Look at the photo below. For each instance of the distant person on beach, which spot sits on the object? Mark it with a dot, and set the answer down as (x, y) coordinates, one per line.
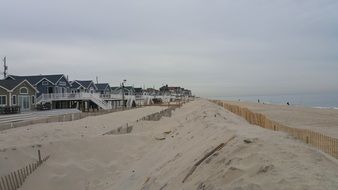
(258, 101)
(288, 103)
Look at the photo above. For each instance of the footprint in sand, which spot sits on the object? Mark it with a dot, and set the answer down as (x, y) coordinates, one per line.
(250, 186)
(232, 174)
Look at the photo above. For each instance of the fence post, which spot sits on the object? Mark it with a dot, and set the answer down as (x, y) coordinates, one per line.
(9, 183)
(13, 181)
(27, 171)
(39, 155)
(19, 177)
(16, 180)
(3, 183)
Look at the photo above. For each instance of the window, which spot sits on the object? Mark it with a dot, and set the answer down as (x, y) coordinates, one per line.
(14, 100)
(3, 100)
(33, 99)
(61, 83)
(45, 83)
(23, 90)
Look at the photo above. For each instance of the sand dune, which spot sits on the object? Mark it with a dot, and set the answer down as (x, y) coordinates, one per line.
(161, 154)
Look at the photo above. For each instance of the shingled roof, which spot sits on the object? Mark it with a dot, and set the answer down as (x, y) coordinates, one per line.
(10, 84)
(34, 79)
(83, 83)
(102, 86)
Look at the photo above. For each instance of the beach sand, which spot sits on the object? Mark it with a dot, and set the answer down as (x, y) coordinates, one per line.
(161, 154)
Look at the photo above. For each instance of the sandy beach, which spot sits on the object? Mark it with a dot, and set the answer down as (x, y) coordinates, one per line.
(323, 120)
(202, 146)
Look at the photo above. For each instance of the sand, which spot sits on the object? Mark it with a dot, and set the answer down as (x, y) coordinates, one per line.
(160, 154)
(322, 120)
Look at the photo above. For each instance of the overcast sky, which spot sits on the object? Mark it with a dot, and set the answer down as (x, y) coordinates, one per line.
(213, 47)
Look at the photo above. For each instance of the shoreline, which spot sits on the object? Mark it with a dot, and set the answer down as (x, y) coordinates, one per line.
(327, 100)
(278, 104)
(319, 120)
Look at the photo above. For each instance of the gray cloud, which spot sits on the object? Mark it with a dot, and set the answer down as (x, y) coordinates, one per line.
(216, 48)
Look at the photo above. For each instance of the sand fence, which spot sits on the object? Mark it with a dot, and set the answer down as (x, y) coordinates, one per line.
(322, 142)
(158, 115)
(15, 180)
(58, 118)
(127, 128)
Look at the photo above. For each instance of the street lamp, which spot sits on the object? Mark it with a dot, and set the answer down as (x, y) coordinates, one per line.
(123, 103)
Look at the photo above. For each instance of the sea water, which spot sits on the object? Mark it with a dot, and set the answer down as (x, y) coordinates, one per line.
(318, 100)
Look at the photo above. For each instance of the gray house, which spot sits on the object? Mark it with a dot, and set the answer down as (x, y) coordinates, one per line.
(46, 84)
(19, 92)
(83, 86)
(103, 88)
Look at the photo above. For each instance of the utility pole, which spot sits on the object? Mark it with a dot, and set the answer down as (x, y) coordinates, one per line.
(5, 67)
(123, 103)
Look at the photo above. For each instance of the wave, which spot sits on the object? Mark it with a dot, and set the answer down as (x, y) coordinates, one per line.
(320, 107)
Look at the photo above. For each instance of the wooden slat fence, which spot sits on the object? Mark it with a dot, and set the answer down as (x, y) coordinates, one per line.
(15, 180)
(322, 142)
(58, 118)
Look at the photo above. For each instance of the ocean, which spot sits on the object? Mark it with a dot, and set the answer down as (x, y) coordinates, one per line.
(319, 100)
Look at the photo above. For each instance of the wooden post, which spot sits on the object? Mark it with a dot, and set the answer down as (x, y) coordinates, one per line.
(19, 177)
(39, 155)
(2, 185)
(16, 180)
(27, 171)
(24, 174)
(13, 180)
(7, 183)
(335, 148)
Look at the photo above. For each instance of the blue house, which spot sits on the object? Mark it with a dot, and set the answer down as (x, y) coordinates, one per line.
(46, 84)
(103, 88)
(83, 86)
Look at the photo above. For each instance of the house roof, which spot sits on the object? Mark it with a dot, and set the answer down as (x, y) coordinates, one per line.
(34, 79)
(118, 87)
(102, 86)
(83, 83)
(10, 84)
(74, 84)
(129, 87)
(138, 89)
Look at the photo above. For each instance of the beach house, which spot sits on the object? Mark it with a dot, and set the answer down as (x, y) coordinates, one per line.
(18, 93)
(46, 84)
(83, 86)
(103, 88)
